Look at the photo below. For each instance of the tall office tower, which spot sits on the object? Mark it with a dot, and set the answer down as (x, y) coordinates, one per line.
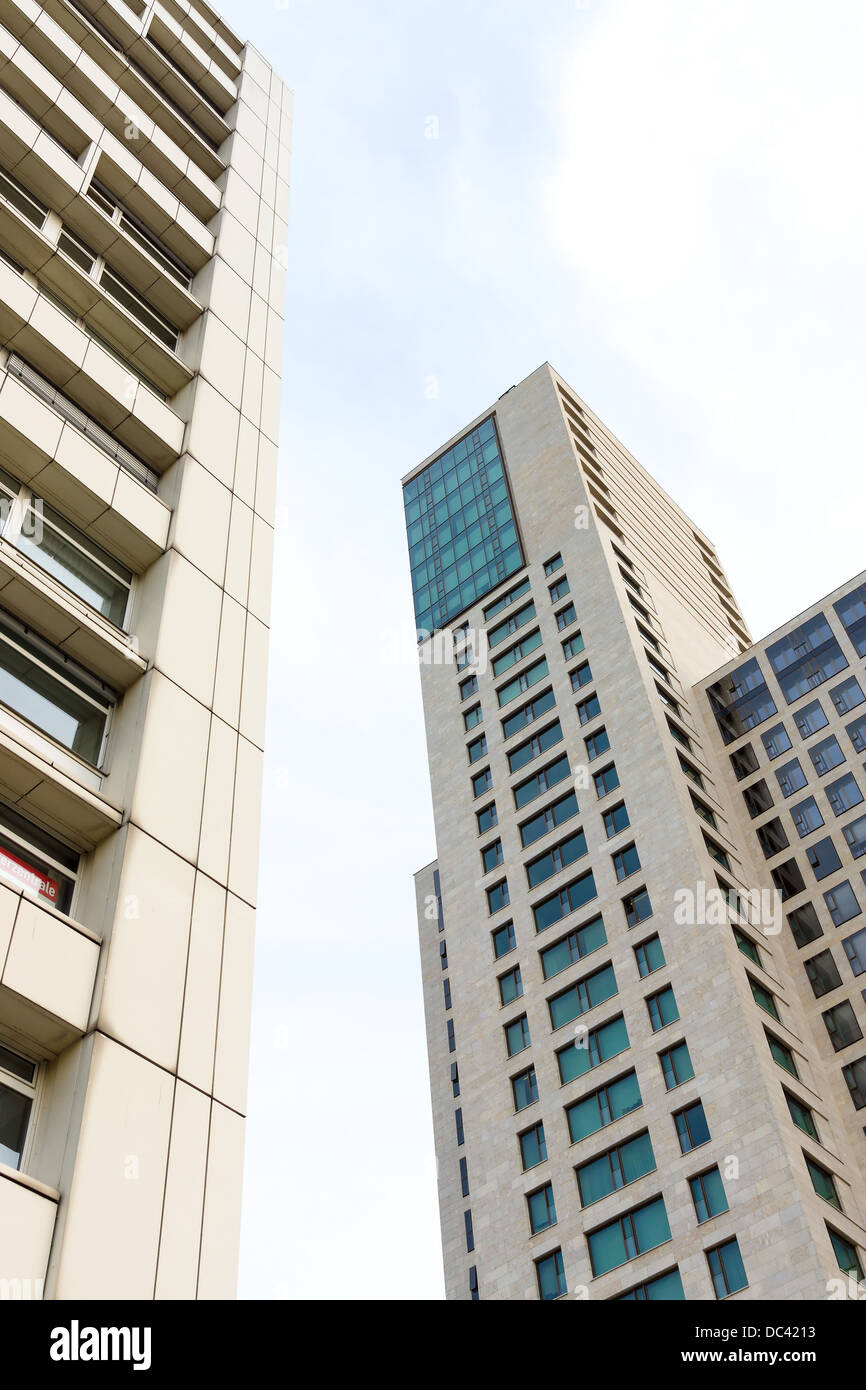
(635, 1094)
(143, 198)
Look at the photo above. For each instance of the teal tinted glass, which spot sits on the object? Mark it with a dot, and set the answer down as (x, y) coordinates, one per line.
(460, 527)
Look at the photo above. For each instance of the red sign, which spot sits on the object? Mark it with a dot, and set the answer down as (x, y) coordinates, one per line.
(20, 872)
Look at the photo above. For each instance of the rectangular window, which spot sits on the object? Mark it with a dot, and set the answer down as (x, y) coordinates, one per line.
(806, 817)
(782, 1055)
(804, 924)
(602, 1107)
(565, 617)
(559, 589)
(726, 1268)
(846, 1255)
(639, 1230)
(472, 717)
(791, 777)
(524, 1088)
(772, 837)
(806, 657)
(824, 858)
(841, 903)
(533, 1147)
(517, 1037)
(497, 896)
(535, 746)
(662, 1008)
(597, 743)
(582, 996)
(855, 950)
(764, 999)
(664, 1287)
(573, 947)
(506, 600)
(528, 713)
(708, 1194)
(470, 1238)
(35, 861)
(548, 777)
(842, 1026)
(573, 645)
(559, 857)
(847, 696)
(464, 1178)
(18, 1077)
(458, 1125)
(776, 741)
(649, 956)
(676, 1065)
(625, 862)
(801, 1115)
(788, 879)
(843, 794)
(523, 682)
(551, 565)
(580, 676)
(510, 986)
(591, 1049)
(542, 1210)
(855, 1079)
(757, 798)
(692, 1128)
(552, 816)
(503, 940)
(510, 625)
(487, 818)
(492, 856)
(826, 755)
(747, 946)
(637, 907)
(823, 1182)
(606, 781)
(46, 689)
(615, 819)
(616, 1168)
(451, 1041)
(568, 899)
(588, 709)
(477, 748)
(482, 782)
(822, 973)
(810, 719)
(741, 700)
(551, 1276)
(468, 687)
(512, 655)
(857, 733)
(851, 611)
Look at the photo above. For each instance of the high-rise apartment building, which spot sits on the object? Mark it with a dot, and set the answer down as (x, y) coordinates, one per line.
(143, 202)
(642, 965)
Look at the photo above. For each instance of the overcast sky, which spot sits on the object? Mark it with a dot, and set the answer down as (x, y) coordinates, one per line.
(665, 201)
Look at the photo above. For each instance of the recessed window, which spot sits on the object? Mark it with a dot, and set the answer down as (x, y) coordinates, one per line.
(551, 1276)
(847, 696)
(806, 657)
(625, 862)
(568, 899)
(18, 1076)
(637, 907)
(512, 655)
(482, 782)
(517, 1037)
(581, 675)
(552, 565)
(649, 956)
(782, 1055)
(708, 1194)
(487, 818)
(855, 1079)
(585, 994)
(533, 1147)
(512, 624)
(857, 733)
(455, 1078)
(443, 954)
(506, 599)
(628, 1236)
(464, 1178)
(772, 837)
(801, 1115)
(468, 687)
(497, 896)
(559, 589)
(552, 816)
(573, 645)
(747, 946)
(597, 743)
(527, 713)
(606, 781)
(776, 741)
(446, 991)
(804, 924)
(846, 1254)
(477, 748)
(692, 1128)
(591, 1049)
(841, 903)
(36, 862)
(716, 852)
(855, 950)
(764, 999)
(788, 879)
(503, 940)
(565, 617)
(806, 817)
(558, 857)
(542, 1210)
(548, 777)
(662, 1008)
(810, 719)
(843, 794)
(726, 1268)
(602, 1107)
(855, 836)
(744, 762)
(823, 1182)
(588, 709)
(741, 700)
(510, 986)
(458, 1125)
(524, 1087)
(667, 1287)
(535, 746)
(472, 717)
(826, 755)
(616, 1168)
(43, 687)
(842, 1026)
(451, 1040)
(822, 972)
(492, 856)
(791, 777)
(470, 1237)
(519, 684)
(615, 819)
(573, 947)
(676, 1065)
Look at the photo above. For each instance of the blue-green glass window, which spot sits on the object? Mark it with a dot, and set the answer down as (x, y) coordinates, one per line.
(615, 819)
(618, 1167)
(565, 617)
(510, 986)
(662, 1008)
(649, 956)
(523, 682)
(591, 1049)
(727, 1269)
(573, 947)
(637, 907)
(535, 746)
(487, 818)
(492, 856)
(14, 1118)
(567, 900)
(472, 717)
(533, 1147)
(692, 1127)
(477, 748)
(551, 1276)
(747, 946)
(503, 940)
(558, 857)
(468, 687)
(676, 1065)
(533, 709)
(801, 1115)
(548, 777)
(603, 1106)
(460, 527)
(823, 1183)
(596, 744)
(506, 599)
(668, 1286)
(572, 645)
(497, 896)
(782, 1055)
(559, 589)
(806, 657)
(552, 565)
(458, 1125)
(482, 782)
(581, 675)
(464, 1177)
(621, 1240)
(517, 1037)
(513, 623)
(549, 819)
(512, 655)
(542, 1210)
(763, 998)
(524, 1088)
(708, 1194)
(846, 1255)
(626, 861)
(588, 709)
(581, 996)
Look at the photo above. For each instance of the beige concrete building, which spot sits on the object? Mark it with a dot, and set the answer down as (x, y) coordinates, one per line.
(143, 200)
(638, 1091)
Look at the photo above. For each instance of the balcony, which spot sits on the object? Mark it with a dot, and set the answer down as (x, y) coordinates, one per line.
(27, 1213)
(46, 985)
